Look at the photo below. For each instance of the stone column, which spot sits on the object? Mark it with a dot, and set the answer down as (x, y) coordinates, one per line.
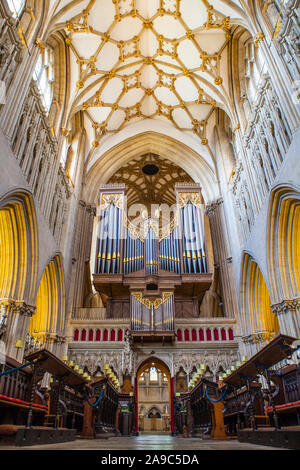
(288, 314)
(222, 256)
(81, 253)
(18, 315)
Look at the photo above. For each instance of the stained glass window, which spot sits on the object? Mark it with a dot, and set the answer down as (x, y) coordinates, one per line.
(153, 374)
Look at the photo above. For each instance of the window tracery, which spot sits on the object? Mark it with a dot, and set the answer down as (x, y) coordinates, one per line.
(44, 76)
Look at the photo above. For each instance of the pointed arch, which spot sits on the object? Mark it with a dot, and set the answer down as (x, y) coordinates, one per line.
(284, 242)
(18, 247)
(257, 317)
(50, 302)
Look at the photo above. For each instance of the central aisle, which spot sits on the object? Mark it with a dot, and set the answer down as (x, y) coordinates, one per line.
(148, 442)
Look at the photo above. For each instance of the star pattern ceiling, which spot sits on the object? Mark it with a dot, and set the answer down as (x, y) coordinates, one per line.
(154, 188)
(139, 59)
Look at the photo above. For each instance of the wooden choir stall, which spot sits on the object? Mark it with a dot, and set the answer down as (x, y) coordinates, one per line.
(262, 397)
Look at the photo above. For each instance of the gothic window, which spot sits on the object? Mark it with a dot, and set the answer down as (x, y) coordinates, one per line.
(16, 7)
(44, 77)
(153, 374)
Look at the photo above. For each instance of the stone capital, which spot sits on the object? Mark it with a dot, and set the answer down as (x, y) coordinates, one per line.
(286, 305)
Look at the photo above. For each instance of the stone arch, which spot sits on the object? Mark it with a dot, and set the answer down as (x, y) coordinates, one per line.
(48, 322)
(151, 142)
(257, 318)
(18, 247)
(283, 242)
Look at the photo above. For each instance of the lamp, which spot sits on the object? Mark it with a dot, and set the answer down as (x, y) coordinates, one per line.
(106, 366)
(244, 358)
(76, 367)
(65, 358)
(71, 363)
(80, 371)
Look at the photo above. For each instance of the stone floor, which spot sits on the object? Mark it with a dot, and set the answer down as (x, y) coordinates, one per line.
(147, 442)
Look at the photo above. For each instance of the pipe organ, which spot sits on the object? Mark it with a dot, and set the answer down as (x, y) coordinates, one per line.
(110, 233)
(152, 266)
(177, 247)
(152, 313)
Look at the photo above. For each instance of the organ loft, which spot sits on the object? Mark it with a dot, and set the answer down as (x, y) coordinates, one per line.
(156, 268)
(149, 223)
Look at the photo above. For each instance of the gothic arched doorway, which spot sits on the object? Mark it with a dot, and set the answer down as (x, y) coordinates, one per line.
(153, 397)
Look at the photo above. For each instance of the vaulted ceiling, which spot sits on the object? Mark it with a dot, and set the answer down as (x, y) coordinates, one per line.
(133, 60)
(150, 179)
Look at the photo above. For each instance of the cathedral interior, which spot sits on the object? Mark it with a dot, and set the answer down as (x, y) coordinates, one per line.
(149, 220)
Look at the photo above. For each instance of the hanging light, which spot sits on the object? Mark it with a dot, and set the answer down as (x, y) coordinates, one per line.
(106, 366)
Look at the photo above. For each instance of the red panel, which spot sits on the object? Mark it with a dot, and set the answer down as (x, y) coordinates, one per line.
(201, 335)
(194, 335)
(208, 335)
(186, 335)
(113, 335)
(230, 334)
(223, 334)
(98, 335)
(120, 335)
(83, 335)
(179, 335)
(91, 335)
(105, 335)
(216, 335)
(76, 335)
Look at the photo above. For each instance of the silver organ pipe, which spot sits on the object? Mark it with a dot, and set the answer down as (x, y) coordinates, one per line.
(151, 252)
(192, 240)
(133, 254)
(109, 240)
(148, 251)
(169, 252)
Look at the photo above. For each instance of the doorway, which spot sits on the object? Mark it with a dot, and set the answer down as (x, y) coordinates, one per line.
(153, 396)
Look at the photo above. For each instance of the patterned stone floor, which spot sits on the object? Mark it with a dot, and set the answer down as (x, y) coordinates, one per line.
(147, 442)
